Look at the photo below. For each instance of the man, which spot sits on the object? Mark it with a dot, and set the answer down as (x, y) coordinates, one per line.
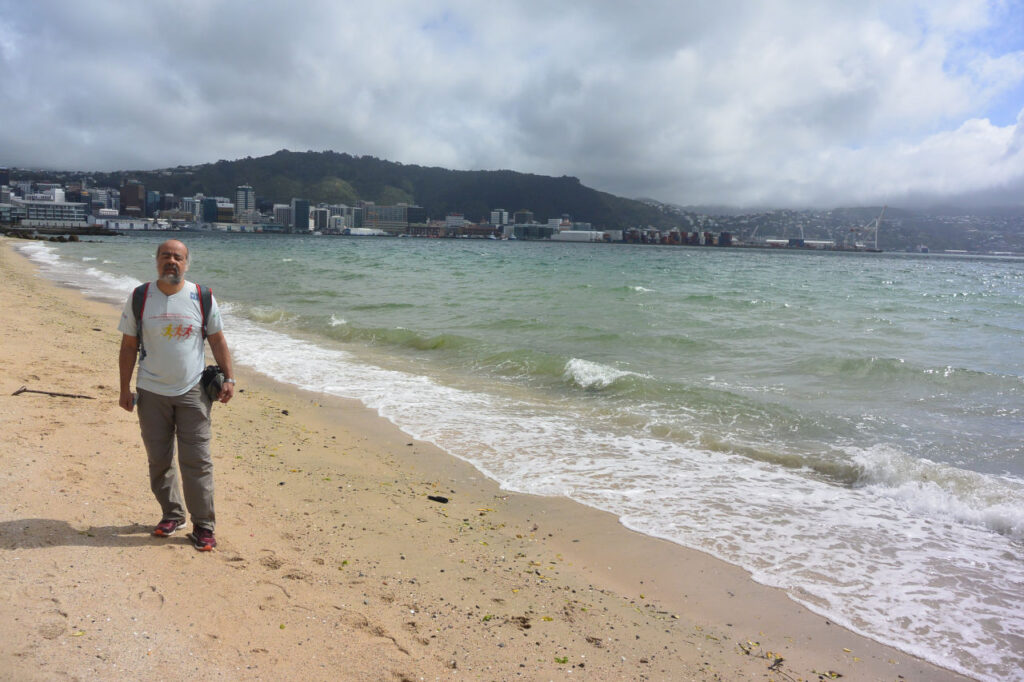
(171, 400)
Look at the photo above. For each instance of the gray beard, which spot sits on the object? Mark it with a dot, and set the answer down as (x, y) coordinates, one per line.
(170, 278)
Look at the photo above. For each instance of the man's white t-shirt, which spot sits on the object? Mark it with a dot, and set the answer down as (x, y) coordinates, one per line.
(172, 334)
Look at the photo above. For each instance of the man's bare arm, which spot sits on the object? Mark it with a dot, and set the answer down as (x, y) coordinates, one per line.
(126, 365)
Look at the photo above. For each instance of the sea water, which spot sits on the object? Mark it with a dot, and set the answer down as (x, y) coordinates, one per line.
(847, 427)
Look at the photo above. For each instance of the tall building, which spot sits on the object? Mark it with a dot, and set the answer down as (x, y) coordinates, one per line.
(300, 215)
(5, 177)
(523, 217)
(318, 218)
(79, 196)
(245, 198)
(99, 198)
(191, 205)
(133, 199)
(152, 203)
(208, 210)
(225, 211)
(245, 203)
(499, 216)
(283, 214)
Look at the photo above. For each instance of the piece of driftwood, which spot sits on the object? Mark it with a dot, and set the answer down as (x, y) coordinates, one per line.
(26, 389)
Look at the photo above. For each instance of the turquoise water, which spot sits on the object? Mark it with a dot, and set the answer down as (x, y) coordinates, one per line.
(845, 426)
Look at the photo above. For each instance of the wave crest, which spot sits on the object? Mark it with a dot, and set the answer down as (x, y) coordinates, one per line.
(931, 489)
(592, 375)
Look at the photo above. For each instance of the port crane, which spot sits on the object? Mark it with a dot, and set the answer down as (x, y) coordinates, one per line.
(870, 228)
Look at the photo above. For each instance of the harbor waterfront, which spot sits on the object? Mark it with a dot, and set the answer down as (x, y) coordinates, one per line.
(845, 427)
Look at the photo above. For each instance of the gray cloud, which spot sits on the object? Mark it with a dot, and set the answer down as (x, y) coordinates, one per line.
(774, 103)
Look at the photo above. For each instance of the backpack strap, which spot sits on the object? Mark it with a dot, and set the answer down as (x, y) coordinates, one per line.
(139, 296)
(205, 302)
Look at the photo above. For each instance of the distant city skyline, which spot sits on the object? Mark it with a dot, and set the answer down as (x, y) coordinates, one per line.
(56, 206)
(778, 104)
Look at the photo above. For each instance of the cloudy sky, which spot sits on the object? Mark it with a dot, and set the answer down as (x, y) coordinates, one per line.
(755, 103)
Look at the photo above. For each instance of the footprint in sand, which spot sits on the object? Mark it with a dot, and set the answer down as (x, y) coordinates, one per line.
(151, 598)
(235, 560)
(272, 562)
(51, 629)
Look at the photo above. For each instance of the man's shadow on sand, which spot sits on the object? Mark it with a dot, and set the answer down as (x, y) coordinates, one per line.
(40, 533)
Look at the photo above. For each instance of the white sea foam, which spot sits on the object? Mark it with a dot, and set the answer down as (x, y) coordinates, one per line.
(940, 491)
(115, 285)
(587, 374)
(92, 281)
(40, 252)
(337, 321)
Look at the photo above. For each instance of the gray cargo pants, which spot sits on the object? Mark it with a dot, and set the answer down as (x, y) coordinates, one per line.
(186, 416)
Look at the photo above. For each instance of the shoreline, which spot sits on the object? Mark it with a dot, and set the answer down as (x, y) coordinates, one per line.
(12, 233)
(333, 562)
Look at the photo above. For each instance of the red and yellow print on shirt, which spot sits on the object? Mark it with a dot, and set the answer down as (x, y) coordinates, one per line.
(177, 332)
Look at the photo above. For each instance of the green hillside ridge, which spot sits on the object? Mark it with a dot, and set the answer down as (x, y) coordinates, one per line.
(332, 177)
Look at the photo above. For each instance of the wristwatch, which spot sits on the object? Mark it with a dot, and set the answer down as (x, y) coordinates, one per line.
(229, 381)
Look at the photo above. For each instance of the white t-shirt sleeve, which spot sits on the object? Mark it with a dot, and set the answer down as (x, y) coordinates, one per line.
(127, 324)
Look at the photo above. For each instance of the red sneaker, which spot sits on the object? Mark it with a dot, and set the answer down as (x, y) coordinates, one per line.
(166, 528)
(202, 538)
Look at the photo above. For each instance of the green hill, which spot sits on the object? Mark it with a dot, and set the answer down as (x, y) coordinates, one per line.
(331, 177)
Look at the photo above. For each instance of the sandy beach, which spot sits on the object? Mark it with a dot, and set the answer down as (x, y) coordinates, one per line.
(347, 551)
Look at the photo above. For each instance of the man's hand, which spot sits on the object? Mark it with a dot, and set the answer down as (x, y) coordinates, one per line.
(219, 346)
(126, 401)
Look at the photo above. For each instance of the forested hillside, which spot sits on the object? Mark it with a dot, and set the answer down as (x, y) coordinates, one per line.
(331, 177)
